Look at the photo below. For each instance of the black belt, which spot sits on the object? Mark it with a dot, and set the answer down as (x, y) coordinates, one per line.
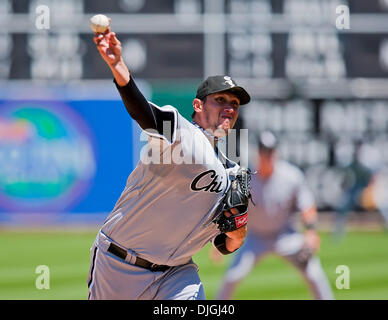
(140, 262)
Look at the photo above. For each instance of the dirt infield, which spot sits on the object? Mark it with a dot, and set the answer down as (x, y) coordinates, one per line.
(357, 220)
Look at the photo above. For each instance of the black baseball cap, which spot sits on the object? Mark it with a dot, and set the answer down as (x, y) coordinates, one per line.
(221, 83)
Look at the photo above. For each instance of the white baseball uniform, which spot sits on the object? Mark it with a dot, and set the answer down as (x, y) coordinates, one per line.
(163, 216)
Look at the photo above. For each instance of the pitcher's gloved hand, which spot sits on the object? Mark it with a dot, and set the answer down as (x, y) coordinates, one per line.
(237, 198)
(229, 242)
(229, 222)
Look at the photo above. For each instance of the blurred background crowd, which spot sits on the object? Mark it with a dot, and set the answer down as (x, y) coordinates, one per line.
(317, 76)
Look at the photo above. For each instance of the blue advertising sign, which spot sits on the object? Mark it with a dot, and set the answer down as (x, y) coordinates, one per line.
(64, 156)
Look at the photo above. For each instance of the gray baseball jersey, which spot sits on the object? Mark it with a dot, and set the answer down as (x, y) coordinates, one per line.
(278, 199)
(164, 213)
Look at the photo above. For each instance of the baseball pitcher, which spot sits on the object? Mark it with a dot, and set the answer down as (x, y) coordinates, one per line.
(182, 194)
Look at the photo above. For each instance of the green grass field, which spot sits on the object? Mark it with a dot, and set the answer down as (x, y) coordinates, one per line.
(67, 256)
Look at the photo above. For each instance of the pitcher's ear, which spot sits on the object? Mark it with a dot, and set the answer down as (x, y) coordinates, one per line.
(197, 105)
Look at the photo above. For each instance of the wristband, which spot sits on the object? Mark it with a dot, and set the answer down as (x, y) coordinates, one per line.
(220, 244)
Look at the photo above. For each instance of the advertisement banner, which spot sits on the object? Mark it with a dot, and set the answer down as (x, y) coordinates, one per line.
(64, 156)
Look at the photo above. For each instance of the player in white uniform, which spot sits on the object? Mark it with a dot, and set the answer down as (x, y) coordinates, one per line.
(279, 191)
(164, 215)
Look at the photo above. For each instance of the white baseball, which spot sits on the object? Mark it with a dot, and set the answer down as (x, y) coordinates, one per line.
(99, 23)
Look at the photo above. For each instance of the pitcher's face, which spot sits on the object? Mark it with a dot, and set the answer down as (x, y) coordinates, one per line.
(219, 113)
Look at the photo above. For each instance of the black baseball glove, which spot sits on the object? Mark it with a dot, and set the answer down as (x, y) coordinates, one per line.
(237, 197)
